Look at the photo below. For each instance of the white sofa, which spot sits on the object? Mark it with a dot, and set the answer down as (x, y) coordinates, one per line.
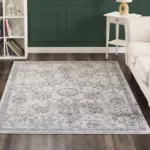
(138, 52)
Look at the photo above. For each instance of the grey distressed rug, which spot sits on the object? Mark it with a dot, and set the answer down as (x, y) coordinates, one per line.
(69, 98)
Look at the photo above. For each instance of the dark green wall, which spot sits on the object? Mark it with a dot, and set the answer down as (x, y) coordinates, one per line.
(74, 22)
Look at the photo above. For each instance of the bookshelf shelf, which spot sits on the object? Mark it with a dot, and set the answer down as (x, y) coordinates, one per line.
(12, 57)
(13, 43)
(14, 17)
(15, 37)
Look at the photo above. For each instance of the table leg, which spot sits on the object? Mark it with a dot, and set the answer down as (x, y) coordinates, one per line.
(117, 36)
(107, 36)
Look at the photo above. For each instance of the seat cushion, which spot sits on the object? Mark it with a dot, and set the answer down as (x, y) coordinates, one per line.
(142, 66)
(136, 49)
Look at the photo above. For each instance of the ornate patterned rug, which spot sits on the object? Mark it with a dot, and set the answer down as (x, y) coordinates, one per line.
(69, 98)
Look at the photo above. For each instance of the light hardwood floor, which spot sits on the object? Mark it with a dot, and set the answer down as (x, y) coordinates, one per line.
(77, 142)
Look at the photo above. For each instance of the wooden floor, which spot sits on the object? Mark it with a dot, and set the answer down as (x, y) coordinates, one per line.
(77, 142)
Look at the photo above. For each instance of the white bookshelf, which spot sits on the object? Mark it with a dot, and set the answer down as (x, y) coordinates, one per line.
(19, 20)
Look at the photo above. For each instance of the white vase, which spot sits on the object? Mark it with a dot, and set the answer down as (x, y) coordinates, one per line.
(11, 9)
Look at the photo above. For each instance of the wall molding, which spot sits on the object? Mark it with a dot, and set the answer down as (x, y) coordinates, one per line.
(74, 50)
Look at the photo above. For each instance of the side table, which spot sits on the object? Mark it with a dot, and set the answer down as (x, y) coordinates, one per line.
(117, 19)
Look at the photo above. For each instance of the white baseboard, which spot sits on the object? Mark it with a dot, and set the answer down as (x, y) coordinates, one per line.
(74, 50)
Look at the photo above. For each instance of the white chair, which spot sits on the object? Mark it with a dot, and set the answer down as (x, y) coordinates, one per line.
(138, 51)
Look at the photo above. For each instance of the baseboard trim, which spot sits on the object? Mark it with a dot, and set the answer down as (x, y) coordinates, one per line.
(74, 50)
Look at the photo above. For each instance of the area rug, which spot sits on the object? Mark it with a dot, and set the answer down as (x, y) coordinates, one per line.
(69, 98)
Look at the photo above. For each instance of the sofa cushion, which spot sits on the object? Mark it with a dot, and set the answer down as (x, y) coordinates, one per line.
(136, 49)
(142, 66)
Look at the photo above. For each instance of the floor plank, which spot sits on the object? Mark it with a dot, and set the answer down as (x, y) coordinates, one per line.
(5, 141)
(78, 142)
(109, 142)
(68, 141)
(142, 142)
(59, 142)
(20, 142)
(123, 142)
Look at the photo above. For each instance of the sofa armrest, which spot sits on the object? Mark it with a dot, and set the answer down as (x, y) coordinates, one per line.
(138, 29)
(137, 49)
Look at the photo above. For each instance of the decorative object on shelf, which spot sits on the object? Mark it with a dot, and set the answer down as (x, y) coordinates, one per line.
(124, 8)
(19, 11)
(11, 9)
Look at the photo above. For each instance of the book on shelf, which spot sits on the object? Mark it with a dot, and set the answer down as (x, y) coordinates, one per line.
(1, 8)
(7, 51)
(10, 52)
(1, 28)
(7, 28)
(14, 48)
(1, 44)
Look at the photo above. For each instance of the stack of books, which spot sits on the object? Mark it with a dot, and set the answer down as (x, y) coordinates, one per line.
(13, 48)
